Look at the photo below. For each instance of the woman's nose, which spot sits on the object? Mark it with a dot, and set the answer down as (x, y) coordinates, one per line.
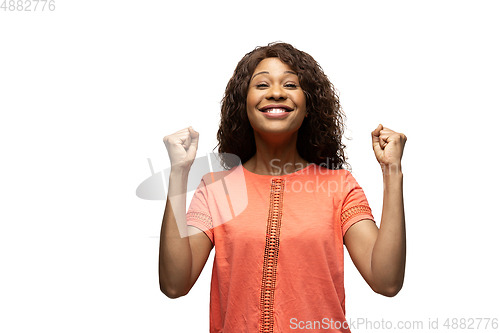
(277, 92)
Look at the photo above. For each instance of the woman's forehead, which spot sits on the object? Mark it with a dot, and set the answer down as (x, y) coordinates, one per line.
(273, 66)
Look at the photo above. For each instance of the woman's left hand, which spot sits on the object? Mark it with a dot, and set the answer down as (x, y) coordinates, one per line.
(388, 147)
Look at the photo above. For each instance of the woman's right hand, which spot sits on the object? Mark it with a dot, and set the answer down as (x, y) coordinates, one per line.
(181, 147)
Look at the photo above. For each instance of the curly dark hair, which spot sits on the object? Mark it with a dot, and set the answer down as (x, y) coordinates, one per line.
(320, 136)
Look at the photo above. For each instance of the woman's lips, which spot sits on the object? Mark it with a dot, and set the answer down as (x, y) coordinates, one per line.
(276, 113)
(276, 106)
(275, 110)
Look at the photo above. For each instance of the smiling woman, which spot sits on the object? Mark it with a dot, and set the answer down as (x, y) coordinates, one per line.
(276, 105)
(279, 261)
(257, 75)
(275, 83)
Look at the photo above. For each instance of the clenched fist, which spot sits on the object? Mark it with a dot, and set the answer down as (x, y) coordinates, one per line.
(388, 147)
(181, 147)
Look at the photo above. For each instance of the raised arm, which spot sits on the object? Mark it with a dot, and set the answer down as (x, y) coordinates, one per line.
(181, 259)
(380, 255)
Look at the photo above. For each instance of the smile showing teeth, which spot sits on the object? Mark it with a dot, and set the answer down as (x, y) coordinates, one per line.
(275, 111)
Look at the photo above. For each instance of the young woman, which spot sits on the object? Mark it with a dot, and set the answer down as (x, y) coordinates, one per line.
(279, 261)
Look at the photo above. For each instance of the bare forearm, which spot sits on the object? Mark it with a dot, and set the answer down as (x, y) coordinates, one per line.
(175, 259)
(389, 251)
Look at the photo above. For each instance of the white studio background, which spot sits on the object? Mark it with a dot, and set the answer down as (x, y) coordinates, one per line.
(88, 91)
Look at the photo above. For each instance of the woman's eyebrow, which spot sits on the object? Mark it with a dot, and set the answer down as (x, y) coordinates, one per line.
(265, 72)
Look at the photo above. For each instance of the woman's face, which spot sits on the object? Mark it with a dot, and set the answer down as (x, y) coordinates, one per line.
(275, 101)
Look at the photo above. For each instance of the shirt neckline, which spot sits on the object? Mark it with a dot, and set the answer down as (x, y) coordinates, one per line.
(257, 176)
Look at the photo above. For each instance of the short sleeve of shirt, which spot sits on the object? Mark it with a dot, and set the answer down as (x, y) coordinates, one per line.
(198, 214)
(355, 205)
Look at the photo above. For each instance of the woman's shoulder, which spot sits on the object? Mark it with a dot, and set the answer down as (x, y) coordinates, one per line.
(225, 179)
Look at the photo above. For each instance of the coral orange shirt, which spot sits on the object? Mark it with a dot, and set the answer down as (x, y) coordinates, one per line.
(279, 257)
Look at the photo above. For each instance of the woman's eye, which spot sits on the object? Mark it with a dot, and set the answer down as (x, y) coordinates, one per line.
(291, 85)
(261, 85)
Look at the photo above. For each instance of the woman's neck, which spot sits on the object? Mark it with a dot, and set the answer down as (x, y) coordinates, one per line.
(276, 155)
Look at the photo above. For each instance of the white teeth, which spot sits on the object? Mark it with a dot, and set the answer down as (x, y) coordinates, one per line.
(276, 110)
